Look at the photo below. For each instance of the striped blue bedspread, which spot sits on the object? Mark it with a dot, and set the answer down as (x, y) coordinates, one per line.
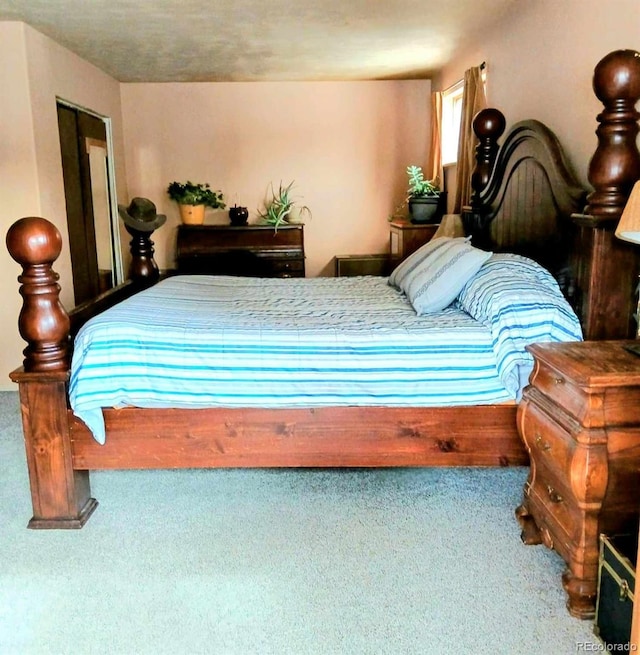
(202, 341)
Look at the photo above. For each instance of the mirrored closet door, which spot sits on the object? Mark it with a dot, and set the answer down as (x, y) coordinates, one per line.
(92, 217)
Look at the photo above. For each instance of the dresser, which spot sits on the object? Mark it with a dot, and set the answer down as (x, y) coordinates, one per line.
(405, 238)
(580, 421)
(248, 250)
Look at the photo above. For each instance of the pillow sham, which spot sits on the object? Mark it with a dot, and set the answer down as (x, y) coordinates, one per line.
(435, 281)
(406, 266)
(521, 303)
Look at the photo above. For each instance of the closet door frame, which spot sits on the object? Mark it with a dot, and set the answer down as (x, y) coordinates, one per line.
(88, 135)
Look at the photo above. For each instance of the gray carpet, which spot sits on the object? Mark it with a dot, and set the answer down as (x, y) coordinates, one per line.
(280, 562)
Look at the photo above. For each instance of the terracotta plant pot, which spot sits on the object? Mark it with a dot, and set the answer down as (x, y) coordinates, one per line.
(192, 214)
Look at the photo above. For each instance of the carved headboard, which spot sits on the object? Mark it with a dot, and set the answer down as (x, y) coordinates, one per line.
(526, 199)
(524, 194)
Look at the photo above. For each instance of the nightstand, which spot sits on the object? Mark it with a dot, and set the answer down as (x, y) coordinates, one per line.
(580, 421)
(405, 238)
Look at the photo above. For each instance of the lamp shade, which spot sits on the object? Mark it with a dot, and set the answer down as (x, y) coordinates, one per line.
(629, 226)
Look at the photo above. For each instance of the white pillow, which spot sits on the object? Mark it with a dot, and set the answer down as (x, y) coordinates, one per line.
(435, 282)
(406, 266)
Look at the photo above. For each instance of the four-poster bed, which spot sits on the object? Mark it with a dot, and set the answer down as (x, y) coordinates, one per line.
(62, 451)
(525, 200)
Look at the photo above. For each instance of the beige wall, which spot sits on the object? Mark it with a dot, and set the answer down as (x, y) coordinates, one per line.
(54, 72)
(18, 182)
(540, 60)
(36, 70)
(346, 145)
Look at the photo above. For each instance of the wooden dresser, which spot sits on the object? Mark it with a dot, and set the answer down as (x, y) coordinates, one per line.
(580, 421)
(248, 250)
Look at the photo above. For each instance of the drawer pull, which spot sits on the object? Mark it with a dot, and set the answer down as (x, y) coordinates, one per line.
(554, 496)
(558, 380)
(545, 446)
(547, 539)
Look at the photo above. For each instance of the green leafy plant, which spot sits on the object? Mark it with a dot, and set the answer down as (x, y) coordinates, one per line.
(280, 204)
(188, 193)
(418, 186)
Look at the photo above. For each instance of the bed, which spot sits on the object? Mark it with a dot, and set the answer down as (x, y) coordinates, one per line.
(197, 341)
(524, 197)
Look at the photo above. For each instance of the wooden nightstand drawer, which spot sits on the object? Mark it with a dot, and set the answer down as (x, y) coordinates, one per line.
(561, 391)
(547, 441)
(581, 376)
(555, 513)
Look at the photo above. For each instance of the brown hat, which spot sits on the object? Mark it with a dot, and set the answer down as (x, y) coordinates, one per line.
(141, 215)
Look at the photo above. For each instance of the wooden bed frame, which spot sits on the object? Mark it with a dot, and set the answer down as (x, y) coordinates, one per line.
(523, 200)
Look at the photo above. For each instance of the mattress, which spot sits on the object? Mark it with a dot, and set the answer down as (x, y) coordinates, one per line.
(205, 341)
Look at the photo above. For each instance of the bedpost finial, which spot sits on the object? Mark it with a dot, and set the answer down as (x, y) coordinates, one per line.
(489, 123)
(35, 244)
(615, 165)
(617, 77)
(33, 240)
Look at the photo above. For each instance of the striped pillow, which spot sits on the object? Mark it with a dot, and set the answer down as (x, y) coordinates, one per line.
(435, 282)
(521, 303)
(414, 259)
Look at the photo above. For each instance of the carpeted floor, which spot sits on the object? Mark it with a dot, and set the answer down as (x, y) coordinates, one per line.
(280, 562)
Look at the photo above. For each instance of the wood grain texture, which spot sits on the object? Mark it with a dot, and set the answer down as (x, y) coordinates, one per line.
(405, 238)
(321, 437)
(35, 244)
(526, 204)
(580, 422)
(253, 250)
(60, 494)
(609, 268)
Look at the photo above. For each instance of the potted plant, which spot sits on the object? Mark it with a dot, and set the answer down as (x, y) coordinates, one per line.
(193, 198)
(425, 197)
(281, 208)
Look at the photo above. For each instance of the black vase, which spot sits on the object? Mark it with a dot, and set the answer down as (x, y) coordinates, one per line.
(238, 215)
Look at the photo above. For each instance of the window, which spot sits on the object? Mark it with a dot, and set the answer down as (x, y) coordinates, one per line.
(451, 116)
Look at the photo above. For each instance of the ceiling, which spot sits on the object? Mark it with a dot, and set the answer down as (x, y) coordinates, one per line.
(256, 40)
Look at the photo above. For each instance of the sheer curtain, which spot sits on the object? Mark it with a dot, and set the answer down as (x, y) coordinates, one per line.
(435, 158)
(473, 100)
